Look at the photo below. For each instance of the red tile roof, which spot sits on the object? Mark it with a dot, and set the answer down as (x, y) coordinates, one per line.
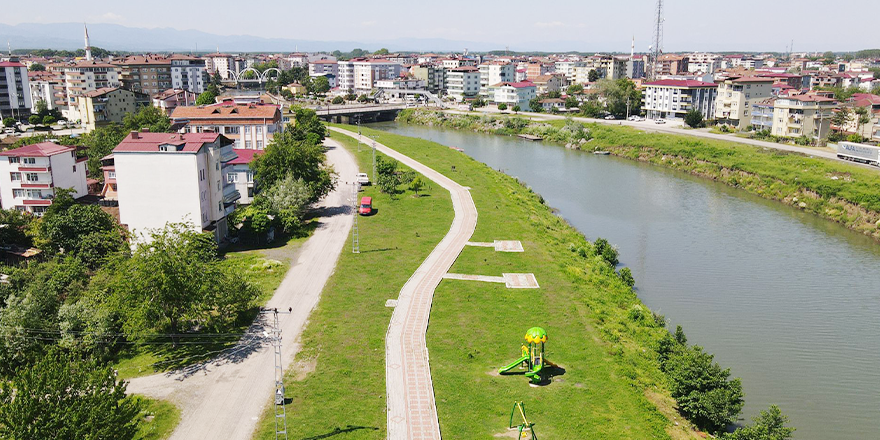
(245, 156)
(43, 149)
(227, 111)
(751, 79)
(140, 142)
(680, 83)
(10, 64)
(99, 92)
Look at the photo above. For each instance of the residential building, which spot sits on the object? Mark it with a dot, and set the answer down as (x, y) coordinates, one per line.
(85, 76)
(549, 83)
(106, 105)
(331, 80)
(512, 94)
(148, 74)
(736, 96)
(534, 70)
(189, 73)
(222, 64)
(345, 75)
(635, 66)
(321, 67)
(296, 88)
(433, 76)
(365, 73)
(610, 67)
(567, 68)
(170, 99)
(109, 192)
(552, 104)
(803, 115)
(462, 82)
(241, 175)
(47, 87)
(669, 64)
(401, 83)
(703, 63)
(30, 174)
(871, 104)
(673, 99)
(762, 114)
(166, 178)
(15, 91)
(249, 126)
(494, 72)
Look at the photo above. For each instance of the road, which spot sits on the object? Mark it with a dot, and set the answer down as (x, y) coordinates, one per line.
(224, 398)
(411, 411)
(651, 127)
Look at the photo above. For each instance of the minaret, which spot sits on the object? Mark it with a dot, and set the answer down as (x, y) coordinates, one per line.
(88, 46)
(632, 50)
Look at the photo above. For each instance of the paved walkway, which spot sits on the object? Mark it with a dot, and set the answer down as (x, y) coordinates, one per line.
(224, 398)
(412, 412)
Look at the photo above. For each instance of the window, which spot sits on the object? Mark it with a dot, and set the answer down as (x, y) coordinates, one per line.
(247, 145)
(232, 177)
(247, 129)
(35, 193)
(74, 168)
(217, 166)
(32, 177)
(259, 130)
(250, 176)
(218, 185)
(259, 145)
(14, 160)
(29, 160)
(17, 193)
(201, 175)
(15, 176)
(111, 174)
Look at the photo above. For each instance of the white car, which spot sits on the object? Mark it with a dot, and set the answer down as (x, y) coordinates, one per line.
(363, 179)
(660, 121)
(610, 118)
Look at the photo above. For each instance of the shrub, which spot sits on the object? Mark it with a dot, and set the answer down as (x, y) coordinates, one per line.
(627, 277)
(603, 249)
(338, 100)
(502, 106)
(705, 393)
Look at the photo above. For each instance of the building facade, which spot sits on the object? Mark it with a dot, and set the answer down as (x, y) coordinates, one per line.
(85, 76)
(433, 76)
(15, 91)
(736, 96)
(241, 175)
(148, 74)
(803, 115)
(494, 72)
(762, 114)
(104, 106)
(189, 73)
(164, 178)
(30, 174)
(513, 94)
(462, 82)
(248, 126)
(673, 99)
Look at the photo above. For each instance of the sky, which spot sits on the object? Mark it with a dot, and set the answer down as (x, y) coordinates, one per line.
(554, 25)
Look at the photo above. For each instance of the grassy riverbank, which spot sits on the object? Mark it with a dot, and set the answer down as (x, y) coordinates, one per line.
(337, 383)
(837, 191)
(599, 331)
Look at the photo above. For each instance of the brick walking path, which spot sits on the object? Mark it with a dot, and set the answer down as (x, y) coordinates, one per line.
(412, 412)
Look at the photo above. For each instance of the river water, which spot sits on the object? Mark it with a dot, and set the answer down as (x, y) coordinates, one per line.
(788, 301)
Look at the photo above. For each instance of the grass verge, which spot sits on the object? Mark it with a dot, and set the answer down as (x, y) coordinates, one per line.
(599, 331)
(157, 418)
(336, 385)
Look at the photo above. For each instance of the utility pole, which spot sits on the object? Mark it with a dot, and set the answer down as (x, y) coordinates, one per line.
(280, 410)
(355, 238)
(359, 135)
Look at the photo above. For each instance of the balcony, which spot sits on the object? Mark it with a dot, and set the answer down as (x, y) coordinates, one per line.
(230, 194)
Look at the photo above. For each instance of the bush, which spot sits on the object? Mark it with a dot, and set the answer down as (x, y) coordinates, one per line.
(338, 100)
(34, 119)
(48, 120)
(705, 393)
(627, 277)
(603, 249)
(8, 122)
(502, 106)
(694, 118)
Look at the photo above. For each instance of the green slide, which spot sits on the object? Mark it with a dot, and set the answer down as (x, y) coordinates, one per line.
(535, 374)
(513, 365)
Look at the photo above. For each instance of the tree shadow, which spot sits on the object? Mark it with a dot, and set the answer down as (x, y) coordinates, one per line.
(336, 431)
(328, 211)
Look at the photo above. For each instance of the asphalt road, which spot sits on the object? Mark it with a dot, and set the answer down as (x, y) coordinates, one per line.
(224, 398)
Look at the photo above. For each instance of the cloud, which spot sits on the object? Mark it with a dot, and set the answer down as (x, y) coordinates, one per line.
(369, 23)
(549, 24)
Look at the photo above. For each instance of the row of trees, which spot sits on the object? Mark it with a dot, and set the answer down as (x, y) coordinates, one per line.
(617, 97)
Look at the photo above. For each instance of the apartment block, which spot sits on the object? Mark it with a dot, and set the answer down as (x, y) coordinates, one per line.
(148, 74)
(30, 174)
(494, 72)
(221, 63)
(47, 87)
(462, 82)
(736, 96)
(241, 175)
(15, 90)
(512, 94)
(107, 105)
(321, 67)
(762, 114)
(673, 99)
(433, 76)
(85, 76)
(803, 115)
(189, 73)
(248, 126)
(170, 178)
(669, 64)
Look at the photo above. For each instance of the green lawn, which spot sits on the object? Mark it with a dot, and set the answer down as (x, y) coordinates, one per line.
(344, 342)
(478, 327)
(157, 419)
(265, 267)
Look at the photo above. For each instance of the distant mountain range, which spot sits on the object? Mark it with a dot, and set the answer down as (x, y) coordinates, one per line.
(69, 36)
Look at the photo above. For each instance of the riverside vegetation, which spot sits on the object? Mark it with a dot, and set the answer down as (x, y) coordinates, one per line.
(622, 366)
(837, 191)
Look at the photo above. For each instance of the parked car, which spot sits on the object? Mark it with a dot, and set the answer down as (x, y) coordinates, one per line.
(610, 118)
(363, 179)
(660, 121)
(366, 206)
(636, 118)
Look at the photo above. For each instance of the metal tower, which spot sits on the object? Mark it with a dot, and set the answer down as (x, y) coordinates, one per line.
(355, 236)
(657, 46)
(280, 410)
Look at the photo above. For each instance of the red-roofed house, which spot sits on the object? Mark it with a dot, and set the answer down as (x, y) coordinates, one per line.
(30, 174)
(174, 177)
(673, 98)
(803, 115)
(512, 94)
(250, 126)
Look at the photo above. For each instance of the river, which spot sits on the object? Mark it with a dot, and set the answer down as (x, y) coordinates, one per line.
(788, 301)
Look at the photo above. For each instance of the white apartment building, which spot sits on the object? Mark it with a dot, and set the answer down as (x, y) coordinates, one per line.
(512, 94)
(241, 175)
(701, 62)
(495, 72)
(321, 67)
(248, 126)
(15, 90)
(672, 98)
(86, 76)
(30, 174)
(221, 63)
(462, 82)
(171, 178)
(345, 75)
(367, 72)
(736, 95)
(47, 87)
(188, 73)
(567, 68)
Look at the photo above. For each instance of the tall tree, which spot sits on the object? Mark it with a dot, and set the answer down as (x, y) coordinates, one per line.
(65, 397)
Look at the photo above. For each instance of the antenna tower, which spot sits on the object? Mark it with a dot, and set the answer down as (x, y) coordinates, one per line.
(657, 48)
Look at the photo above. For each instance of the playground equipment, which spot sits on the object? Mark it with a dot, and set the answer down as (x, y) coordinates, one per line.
(525, 428)
(532, 357)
